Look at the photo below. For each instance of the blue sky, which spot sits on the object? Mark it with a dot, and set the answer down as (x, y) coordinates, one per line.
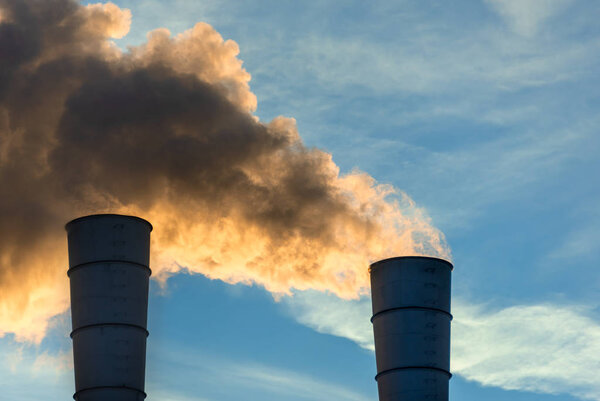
(486, 113)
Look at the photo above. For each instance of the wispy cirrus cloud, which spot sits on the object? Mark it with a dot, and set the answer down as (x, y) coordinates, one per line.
(173, 395)
(525, 17)
(288, 384)
(30, 373)
(224, 378)
(494, 63)
(542, 348)
(582, 241)
(217, 377)
(331, 315)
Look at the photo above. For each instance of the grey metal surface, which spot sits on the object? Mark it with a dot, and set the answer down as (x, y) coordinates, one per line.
(109, 274)
(411, 325)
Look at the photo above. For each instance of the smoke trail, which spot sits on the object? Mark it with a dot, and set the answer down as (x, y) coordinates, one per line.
(166, 131)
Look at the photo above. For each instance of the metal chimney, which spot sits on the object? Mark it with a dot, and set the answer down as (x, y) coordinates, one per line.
(109, 273)
(411, 324)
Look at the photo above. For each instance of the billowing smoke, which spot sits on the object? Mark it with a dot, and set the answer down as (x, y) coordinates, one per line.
(165, 131)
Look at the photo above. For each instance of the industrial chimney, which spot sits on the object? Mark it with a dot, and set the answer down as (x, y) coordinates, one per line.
(411, 324)
(109, 273)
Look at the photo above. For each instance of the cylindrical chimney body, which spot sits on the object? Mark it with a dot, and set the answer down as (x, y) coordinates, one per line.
(411, 324)
(109, 273)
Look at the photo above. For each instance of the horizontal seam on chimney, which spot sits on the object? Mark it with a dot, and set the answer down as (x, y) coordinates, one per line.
(89, 326)
(420, 308)
(136, 264)
(412, 367)
(108, 387)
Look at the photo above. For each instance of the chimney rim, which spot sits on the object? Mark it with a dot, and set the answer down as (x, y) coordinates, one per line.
(100, 215)
(375, 264)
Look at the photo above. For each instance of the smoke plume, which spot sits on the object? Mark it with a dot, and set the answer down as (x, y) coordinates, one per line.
(166, 131)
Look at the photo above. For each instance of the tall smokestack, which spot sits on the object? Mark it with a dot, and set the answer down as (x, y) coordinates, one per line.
(109, 273)
(411, 324)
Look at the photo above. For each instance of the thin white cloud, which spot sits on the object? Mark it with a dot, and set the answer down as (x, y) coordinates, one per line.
(288, 383)
(582, 241)
(241, 377)
(525, 17)
(57, 362)
(30, 374)
(540, 348)
(439, 62)
(53, 375)
(173, 395)
(328, 314)
(497, 169)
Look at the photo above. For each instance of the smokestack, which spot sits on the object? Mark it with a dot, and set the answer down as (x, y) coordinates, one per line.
(411, 324)
(108, 268)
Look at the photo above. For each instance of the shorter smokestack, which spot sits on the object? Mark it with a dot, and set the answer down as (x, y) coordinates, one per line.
(411, 324)
(109, 273)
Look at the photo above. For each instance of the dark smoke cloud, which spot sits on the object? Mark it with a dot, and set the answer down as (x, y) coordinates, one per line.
(165, 131)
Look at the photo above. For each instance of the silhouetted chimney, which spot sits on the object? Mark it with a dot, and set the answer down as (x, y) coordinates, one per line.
(109, 273)
(411, 324)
